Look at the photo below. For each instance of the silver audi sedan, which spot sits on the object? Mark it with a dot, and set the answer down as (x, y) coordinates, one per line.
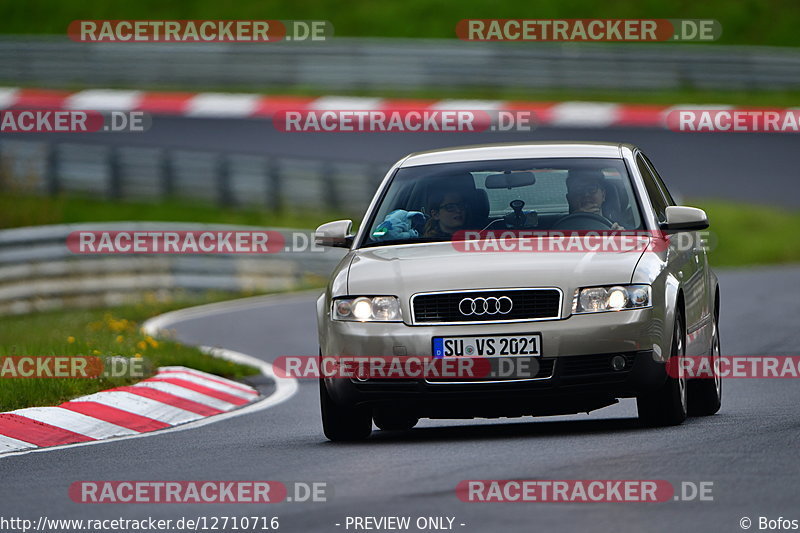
(564, 271)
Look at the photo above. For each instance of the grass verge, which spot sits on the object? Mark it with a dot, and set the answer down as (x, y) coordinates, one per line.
(750, 99)
(21, 209)
(760, 23)
(742, 234)
(101, 333)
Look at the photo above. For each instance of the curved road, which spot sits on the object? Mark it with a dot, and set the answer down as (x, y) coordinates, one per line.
(748, 450)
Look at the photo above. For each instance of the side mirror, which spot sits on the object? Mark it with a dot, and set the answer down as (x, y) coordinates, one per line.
(683, 218)
(336, 234)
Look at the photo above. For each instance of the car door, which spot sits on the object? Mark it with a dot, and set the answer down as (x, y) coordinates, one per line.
(682, 260)
(699, 285)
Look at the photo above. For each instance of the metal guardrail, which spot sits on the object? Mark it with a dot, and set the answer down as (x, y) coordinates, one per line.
(346, 64)
(230, 180)
(38, 272)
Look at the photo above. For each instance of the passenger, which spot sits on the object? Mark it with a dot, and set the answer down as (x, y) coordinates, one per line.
(448, 214)
(586, 193)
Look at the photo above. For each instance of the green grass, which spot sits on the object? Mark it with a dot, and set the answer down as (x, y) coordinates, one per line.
(742, 98)
(745, 234)
(632, 96)
(746, 22)
(100, 333)
(20, 209)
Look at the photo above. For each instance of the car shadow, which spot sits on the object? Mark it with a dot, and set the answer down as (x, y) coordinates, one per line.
(510, 430)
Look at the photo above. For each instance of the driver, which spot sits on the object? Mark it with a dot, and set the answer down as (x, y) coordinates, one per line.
(586, 193)
(448, 214)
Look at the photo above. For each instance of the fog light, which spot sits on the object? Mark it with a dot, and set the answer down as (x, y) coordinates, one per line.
(617, 363)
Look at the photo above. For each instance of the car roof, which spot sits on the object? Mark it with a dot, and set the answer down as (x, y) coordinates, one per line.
(526, 150)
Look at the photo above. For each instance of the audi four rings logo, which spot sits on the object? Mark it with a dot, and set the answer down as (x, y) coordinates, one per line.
(485, 306)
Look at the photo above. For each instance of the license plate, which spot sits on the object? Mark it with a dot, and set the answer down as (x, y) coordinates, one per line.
(488, 346)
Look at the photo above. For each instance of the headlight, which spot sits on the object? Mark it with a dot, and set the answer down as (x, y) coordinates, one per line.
(611, 298)
(367, 309)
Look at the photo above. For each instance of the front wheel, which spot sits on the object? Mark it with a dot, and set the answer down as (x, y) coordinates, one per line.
(705, 395)
(343, 423)
(667, 406)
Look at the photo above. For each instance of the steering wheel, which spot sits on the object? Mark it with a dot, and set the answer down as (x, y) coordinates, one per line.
(583, 221)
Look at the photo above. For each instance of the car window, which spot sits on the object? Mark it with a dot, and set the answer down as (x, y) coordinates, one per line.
(659, 181)
(653, 190)
(434, 202)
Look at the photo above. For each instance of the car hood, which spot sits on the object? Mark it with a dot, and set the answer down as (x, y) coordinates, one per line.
(409, 269)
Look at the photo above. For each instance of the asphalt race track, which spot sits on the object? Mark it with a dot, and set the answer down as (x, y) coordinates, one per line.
(749, 167)
(748, 450)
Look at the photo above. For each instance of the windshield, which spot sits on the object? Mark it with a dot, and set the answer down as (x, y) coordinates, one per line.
(434, 202)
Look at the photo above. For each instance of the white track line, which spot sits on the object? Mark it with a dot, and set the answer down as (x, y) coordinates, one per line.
(176, 370)
(139, 405)
(8, 444)
(8, 96)
(188, 394)
(222, 105)
(104, 100)
(208, 384)
(75, 422)
(285, 388)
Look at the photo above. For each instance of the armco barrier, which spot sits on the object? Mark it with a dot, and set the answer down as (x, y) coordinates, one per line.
(38, 272)
(228, 180)
(344, 64)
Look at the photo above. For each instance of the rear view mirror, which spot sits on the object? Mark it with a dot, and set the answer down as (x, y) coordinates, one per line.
(509, 180)
(336, 234)
(683, 218)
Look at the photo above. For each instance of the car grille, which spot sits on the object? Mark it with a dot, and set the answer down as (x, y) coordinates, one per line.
(527, 304)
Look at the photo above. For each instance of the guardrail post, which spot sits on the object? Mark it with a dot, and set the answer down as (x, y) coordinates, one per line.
(224, 194)
(332, 199)
(5, 177)
(374, 176)
(274, 184)
(167, 175)
(114, 174)
(51, 170)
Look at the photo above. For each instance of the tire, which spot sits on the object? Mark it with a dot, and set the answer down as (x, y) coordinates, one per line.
(667, 406)
(393, 421)
(705, 395)
(343, 423)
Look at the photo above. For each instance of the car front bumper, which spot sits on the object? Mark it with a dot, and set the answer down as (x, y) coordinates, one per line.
(575, 373)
